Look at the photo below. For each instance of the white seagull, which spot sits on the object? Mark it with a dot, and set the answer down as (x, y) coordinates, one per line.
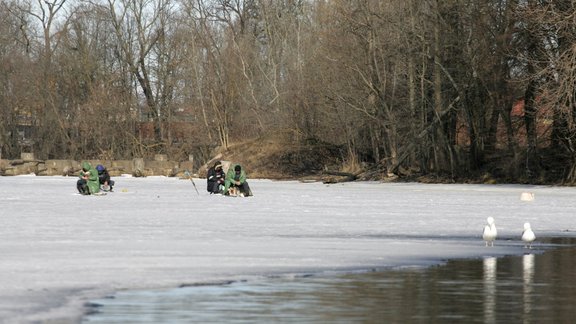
(489, 234)
(528, 236)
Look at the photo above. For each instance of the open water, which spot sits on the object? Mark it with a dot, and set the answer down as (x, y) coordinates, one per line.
(532, 288)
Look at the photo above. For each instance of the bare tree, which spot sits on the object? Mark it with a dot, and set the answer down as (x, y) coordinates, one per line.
(547, 49)
(15, 118)
(50, 17)
(140, 27)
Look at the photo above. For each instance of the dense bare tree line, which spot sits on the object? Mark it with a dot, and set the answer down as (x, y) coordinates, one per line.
(424, 86)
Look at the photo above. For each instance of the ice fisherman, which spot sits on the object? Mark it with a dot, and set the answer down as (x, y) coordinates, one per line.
(88, 183)
(215, 178)
(236, 178)
(104, 178)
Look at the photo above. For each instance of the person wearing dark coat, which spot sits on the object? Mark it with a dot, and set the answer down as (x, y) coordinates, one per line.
(215, 178)
(104, 178)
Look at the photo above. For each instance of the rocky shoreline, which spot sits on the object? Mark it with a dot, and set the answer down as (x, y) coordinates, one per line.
(139, 167)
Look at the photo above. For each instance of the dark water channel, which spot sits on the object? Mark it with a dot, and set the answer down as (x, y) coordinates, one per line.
(533, 288)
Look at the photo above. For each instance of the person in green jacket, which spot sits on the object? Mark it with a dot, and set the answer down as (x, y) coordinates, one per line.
(88, 182)
(236, 177)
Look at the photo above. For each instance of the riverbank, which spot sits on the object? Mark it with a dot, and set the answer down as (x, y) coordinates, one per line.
(160, 166)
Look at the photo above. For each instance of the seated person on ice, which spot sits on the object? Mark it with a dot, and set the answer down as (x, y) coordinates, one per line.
(215, 179)
(88, 183)
(236, 179)
(104, 178)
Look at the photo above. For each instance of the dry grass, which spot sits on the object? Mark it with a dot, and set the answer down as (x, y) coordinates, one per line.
(279, 158)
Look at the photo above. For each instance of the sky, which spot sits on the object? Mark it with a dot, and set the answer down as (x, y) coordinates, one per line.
(59, 249)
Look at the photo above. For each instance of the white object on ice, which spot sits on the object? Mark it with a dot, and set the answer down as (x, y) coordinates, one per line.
(528, 236)
(527, 196)
(490, 232)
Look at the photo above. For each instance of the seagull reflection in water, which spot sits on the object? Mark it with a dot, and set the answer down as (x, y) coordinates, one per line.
(490, 289)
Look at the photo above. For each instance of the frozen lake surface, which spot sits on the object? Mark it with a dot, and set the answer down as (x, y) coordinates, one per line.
(59, 249)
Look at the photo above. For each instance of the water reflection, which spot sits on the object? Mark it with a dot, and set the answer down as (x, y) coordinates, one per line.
(490, 289)
(511, 289)
(528, 276)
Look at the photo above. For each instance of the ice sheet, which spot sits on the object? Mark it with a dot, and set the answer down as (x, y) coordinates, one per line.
(58, 249)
